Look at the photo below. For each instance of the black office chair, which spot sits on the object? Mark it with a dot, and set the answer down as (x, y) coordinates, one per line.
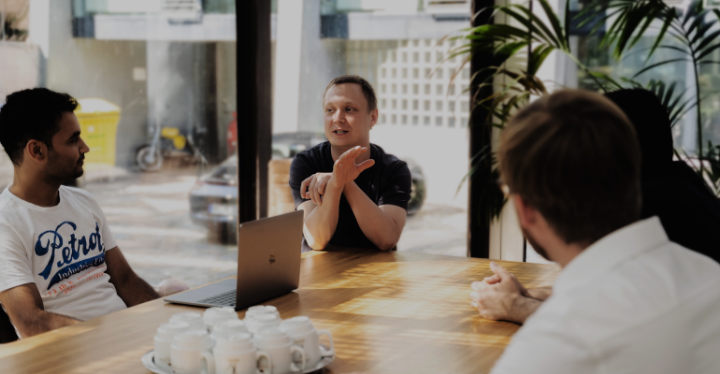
(7, 331)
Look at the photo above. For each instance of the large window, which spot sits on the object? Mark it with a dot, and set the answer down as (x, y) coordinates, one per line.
(156, 84)
(590, 53)
(399, 47)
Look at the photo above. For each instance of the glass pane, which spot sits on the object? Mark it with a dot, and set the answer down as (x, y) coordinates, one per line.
(587, 48)
(422, 116)
(156, 84)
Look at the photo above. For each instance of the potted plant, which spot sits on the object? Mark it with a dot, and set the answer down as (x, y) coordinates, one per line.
(520, 47)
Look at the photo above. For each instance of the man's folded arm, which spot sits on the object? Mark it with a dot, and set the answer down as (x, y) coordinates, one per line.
(381, 224)
(25, 308)
(132, 289)
(321, 221)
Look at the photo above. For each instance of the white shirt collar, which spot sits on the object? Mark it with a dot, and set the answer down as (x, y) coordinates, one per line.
(603, 255)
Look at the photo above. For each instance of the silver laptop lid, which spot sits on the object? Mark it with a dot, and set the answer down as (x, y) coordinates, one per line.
(268, 258)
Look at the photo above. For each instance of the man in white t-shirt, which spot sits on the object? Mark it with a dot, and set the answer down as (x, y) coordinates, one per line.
(628, 300)
(59, 263)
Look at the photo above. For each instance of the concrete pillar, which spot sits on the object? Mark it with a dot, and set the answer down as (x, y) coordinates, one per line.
(88, 68)
(286, 91)
(175, 92)
(304, 65)
(39, 31)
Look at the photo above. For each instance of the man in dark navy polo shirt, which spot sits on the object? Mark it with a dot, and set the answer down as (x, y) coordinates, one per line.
(352, 192)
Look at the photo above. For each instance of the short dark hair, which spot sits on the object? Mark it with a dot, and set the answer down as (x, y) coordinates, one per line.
(367, 88)
(652, 125)
(574, 157)
(32, 114)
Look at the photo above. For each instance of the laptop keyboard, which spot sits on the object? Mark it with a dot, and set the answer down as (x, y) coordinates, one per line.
(225, 299)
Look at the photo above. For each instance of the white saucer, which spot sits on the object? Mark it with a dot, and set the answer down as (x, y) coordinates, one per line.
(148, 360)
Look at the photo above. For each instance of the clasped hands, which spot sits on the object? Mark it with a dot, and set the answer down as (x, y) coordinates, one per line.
(344, 171)
(502, 297)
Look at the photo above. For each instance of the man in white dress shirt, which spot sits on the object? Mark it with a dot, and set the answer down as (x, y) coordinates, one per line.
(628, 300)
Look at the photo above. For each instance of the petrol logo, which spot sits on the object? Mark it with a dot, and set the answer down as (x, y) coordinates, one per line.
(272, 257)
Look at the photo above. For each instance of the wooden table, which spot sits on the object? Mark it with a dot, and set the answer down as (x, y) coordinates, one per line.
(389, 312)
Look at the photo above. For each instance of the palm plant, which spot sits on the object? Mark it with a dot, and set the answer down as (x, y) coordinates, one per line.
(531, 40)
(695, 35)
(520, 47)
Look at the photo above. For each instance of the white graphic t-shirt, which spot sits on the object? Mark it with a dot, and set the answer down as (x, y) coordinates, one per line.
(62, 250)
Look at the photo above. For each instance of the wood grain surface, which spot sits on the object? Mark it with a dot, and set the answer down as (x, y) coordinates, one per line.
(389, 312)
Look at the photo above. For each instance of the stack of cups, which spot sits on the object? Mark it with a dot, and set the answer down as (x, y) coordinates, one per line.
(303, 333)
(195, 320)
(236, 354)
(262, 317)
(262, 322)
(285, 357)
(254, 311)
(164, 339)
(215, 316)
(189, 350)
(219, 342)
(228, 328)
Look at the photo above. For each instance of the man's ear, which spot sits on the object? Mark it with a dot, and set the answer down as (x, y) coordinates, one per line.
(527, 215)
(36, 150)
(374, 117)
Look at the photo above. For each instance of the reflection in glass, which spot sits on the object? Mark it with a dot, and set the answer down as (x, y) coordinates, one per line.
(165, 176)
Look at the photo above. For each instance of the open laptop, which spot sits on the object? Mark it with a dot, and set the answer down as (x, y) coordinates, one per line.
(268, 265)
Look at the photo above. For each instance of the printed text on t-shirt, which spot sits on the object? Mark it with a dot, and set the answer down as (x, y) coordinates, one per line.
(69, 265)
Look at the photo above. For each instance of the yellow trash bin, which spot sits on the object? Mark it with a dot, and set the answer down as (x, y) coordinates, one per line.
(98, 123)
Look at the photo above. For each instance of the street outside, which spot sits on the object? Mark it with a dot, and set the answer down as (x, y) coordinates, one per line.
(148, 214)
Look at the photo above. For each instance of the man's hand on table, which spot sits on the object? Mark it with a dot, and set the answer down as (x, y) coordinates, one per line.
(502, 297)
(344, 171)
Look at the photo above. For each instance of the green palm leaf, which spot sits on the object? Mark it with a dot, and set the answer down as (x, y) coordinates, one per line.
(661, 63)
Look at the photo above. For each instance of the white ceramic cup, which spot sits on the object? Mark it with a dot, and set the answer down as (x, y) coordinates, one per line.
(164, 339)
(282, 351)
(236, 354)
(230, 327)
(261, 322)
(214, 316)
(261, 309)
(188, 352)
(195, 320)
(303, 333)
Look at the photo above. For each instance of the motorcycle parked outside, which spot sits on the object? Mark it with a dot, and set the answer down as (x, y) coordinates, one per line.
(165, 143)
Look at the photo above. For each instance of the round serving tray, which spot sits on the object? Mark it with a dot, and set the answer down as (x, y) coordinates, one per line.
(148, 360)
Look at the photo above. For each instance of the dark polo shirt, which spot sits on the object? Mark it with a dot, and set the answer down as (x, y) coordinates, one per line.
(387, 182)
